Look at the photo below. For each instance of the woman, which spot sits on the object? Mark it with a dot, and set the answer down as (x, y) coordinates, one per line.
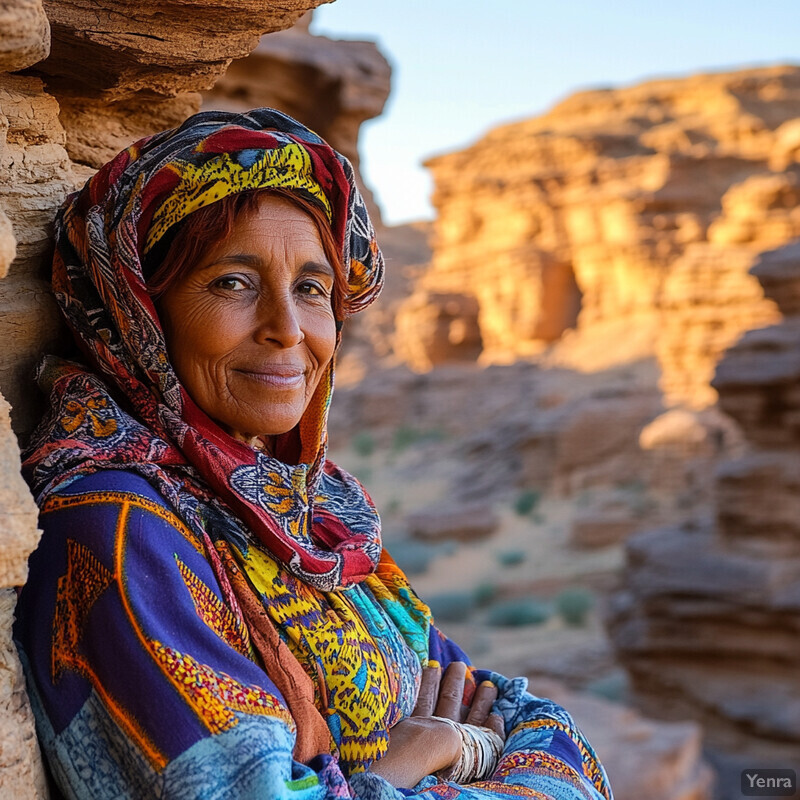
(209, 612)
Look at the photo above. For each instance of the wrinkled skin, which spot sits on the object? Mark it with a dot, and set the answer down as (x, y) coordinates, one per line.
(251, 330)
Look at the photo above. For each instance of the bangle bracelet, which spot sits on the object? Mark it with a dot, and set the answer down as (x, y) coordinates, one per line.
(481, 749)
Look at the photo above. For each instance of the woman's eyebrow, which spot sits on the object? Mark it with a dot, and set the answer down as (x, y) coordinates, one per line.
(318, 267)
(252, 260)
(247, 259)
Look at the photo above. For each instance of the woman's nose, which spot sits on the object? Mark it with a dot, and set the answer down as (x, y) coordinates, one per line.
(279, 321)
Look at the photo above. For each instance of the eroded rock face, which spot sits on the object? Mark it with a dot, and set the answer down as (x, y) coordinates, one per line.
(35, 177)
(709, 618)
(122, 69)
(21, 772)
(759, 384)
(462, 523)
(24, 34)
(122, 46)
(97, 130)
(643, 758)
(435, 328)
(642, 207)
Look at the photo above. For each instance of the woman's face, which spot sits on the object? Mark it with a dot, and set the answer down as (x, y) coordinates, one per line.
(250, 330)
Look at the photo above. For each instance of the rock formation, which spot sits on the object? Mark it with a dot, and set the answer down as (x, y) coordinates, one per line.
(708, 622)
(36, 176)
(24, 34)
(438, 327)
(24, 40)
(160, 48)
(643, 758)
(21, 773)
(631, 214)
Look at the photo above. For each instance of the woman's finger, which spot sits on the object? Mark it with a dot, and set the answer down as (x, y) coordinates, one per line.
(428, 691)
(495, 722)
(481, 707)
(451, 691)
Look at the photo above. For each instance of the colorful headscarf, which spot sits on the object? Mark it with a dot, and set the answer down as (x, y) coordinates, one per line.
(129, 410)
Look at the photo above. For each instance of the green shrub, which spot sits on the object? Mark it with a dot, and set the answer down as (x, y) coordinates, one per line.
(574, 604)
(363, 473)
(404, 437)
(516, 613)
(526, 501)
(632, 486)
(451, 606)
(447, 548)
(485, 593)
(393, 506)
(364, 444)
(614, 687)
(510, 558)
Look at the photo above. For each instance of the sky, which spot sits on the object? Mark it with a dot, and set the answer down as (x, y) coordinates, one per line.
(461, 67)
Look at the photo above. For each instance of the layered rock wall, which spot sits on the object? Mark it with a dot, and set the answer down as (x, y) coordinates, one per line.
(632, 215)
(21, 773)
(708, 622)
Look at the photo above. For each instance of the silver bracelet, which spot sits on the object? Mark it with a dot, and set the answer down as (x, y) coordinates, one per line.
(481, 749)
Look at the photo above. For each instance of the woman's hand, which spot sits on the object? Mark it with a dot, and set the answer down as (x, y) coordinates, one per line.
(442, 696)
(420, 745)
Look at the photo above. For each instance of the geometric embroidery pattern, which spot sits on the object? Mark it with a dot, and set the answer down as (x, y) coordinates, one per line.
(201, 184)
(216, 696)
(591, 767)
(77, 591)
(510, 789)
(539, 763)
(354, 689)
(214, 613)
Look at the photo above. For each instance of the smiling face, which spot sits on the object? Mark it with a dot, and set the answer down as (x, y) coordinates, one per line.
(251, 329)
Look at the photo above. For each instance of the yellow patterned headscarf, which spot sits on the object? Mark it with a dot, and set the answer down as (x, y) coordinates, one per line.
(287, 167)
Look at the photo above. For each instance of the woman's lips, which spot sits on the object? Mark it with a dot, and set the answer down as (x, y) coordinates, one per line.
(279, 377)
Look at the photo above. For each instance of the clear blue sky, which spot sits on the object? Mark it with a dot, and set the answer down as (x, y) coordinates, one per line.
(463, 66)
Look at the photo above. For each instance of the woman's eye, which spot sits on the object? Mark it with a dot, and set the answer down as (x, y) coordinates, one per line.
(313, 288)
(230, 283)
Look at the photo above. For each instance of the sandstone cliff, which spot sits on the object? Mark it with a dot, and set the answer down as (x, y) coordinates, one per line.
(630, 215)
(709, 618)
